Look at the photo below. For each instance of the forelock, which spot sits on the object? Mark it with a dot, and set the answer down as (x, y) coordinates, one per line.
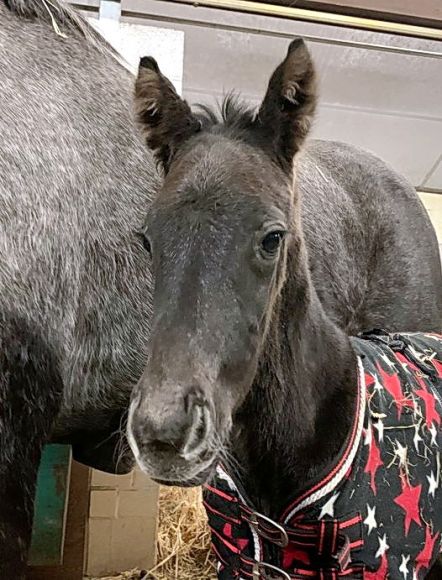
(231, 116)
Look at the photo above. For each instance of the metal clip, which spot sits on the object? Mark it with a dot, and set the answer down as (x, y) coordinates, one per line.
(268, 529)
(261, 569)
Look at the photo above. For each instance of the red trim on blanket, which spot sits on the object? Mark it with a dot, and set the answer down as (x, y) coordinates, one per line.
(221, 493)
(229, 545)
(218, 555)
(351, 522)
(221, 515)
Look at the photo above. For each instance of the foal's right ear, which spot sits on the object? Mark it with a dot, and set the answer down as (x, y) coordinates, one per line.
(166, 120)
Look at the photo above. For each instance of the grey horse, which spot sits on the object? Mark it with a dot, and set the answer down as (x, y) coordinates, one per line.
(75, 300)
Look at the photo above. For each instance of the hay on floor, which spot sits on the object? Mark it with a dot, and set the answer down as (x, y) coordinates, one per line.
(131, 575)
(183, 544)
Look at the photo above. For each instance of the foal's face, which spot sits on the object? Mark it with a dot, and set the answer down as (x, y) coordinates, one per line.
(217, 234)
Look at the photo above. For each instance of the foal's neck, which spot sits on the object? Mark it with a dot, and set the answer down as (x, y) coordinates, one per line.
(301, 406)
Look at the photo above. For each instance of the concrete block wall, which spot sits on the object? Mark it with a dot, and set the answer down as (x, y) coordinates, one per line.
(433, 204)
(122, 523)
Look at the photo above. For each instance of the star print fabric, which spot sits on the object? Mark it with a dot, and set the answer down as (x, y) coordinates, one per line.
(384, 515)
(396, 479)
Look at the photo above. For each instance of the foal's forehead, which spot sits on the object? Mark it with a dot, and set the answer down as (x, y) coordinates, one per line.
(226, 172)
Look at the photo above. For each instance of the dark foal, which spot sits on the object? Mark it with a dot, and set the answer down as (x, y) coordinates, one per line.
(258, 284)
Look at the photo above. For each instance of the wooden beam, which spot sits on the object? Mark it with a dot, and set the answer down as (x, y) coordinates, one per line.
(280, 9)
(74, 553)
(421, 13)
(50, 506)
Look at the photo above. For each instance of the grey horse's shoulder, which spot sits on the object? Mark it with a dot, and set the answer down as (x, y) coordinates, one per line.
(352, 166)
(329, 150)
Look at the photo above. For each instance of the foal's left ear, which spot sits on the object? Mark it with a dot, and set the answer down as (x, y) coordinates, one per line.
(166, 120)
(286, 113)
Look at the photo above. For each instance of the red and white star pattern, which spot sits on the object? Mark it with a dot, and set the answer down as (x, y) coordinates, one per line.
(396, 480)
(400, 456)
(388, 503)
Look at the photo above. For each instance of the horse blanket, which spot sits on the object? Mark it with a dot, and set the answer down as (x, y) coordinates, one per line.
(376, 512)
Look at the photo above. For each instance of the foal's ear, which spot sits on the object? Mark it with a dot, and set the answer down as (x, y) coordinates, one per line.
(166, 120)
(286, 113)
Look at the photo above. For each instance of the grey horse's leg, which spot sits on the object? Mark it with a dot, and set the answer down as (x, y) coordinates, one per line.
(30, 393)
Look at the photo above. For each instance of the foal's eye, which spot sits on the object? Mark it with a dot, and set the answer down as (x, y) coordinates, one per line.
(271, 242)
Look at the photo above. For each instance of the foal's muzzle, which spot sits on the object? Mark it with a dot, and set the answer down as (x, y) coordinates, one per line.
(171, 441)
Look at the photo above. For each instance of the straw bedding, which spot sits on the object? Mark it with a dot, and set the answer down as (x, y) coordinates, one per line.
(183, 537)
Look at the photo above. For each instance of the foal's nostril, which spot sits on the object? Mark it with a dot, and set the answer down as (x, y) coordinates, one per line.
(164, 434)
(182, 431)
(193, 398)
(198, 432)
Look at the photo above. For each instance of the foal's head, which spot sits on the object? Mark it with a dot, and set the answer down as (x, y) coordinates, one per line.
(217, 234)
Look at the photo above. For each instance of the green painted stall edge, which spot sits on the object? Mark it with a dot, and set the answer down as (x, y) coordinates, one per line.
(50, 506)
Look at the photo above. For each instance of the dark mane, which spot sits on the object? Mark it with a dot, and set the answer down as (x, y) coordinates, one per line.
(232, 114)
(64, 18)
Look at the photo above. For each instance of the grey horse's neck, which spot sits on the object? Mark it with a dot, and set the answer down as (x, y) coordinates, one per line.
(301, 406)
